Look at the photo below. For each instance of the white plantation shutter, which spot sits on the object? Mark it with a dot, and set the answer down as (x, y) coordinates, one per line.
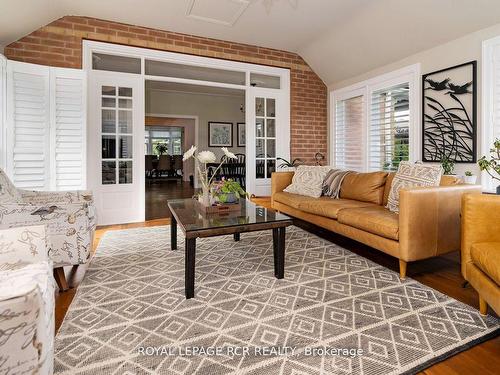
(28, 120)
(46, 125)
(389, 129)
(68, 108)
(348, 138)
(3, 109)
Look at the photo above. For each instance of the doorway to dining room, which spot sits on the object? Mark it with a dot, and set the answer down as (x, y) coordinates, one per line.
(177, 116)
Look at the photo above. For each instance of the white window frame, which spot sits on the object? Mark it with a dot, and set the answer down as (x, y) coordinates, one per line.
(486, 131)
(409, 74)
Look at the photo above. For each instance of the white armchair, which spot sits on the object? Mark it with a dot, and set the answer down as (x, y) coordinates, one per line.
(69, 218)
(26, 302)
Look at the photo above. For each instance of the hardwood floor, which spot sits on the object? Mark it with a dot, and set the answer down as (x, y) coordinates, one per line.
(441, 273)
(158, 192)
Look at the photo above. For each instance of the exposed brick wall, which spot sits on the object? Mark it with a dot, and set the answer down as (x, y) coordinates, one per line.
(60, 44)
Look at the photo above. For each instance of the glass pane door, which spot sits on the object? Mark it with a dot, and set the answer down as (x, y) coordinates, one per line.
(268, 137)
(115, 146)
(116, 135)
(265, 137)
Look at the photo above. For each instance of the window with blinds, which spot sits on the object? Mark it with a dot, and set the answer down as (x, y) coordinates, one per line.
(388, 132)
(349, 133)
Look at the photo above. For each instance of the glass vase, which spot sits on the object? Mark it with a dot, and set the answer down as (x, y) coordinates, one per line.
(205, 196)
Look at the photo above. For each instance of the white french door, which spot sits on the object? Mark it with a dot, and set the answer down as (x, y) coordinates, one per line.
(268, 137)
(116, 146)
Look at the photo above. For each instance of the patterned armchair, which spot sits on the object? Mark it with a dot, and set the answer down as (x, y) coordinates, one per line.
(26, 302)
(69, 218)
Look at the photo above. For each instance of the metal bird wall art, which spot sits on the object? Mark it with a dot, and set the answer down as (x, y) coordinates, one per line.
(449, 114)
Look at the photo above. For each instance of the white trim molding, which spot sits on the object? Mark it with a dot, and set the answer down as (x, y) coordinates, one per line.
(487, 130)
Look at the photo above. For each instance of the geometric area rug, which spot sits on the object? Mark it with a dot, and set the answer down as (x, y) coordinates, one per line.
(335, 312)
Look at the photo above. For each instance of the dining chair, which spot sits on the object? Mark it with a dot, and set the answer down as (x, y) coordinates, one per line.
(178, 165)
(165, 164)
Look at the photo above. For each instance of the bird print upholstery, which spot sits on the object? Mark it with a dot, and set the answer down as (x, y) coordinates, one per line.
(69, 218)
(26, 302)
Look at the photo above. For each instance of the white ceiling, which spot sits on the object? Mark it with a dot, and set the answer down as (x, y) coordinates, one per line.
(338, 38)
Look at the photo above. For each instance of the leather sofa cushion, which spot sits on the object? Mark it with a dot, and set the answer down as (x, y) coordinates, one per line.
(330, 207)
(374, 219)
(486, 256)
(364, 187)
(290, 199)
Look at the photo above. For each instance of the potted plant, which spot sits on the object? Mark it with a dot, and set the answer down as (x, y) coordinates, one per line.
(289, 165)
(204, 158)
(227, 191)
(469, 178)
(161, 148)
(448, 165)
(492, 165)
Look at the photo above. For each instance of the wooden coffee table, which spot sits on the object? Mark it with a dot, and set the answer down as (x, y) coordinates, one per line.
(249, 218)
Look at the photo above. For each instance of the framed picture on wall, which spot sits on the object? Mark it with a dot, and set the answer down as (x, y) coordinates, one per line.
(449, 102)
(220, 134)
(241, 134)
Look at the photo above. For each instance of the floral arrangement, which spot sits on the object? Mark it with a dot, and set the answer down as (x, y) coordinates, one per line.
(204, 158)
(227, 191)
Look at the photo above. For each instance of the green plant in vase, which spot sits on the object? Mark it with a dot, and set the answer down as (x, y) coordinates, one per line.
(469, 178)
(448, 165)
(227, 191)
(491, 165)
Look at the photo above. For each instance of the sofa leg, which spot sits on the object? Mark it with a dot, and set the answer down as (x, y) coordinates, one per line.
(402, 269)
(60, 279)
(483, 306)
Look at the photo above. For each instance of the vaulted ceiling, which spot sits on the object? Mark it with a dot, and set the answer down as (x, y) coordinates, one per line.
(338, 38)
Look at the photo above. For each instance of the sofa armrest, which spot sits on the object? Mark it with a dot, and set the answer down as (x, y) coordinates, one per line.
(23, 245)
(429, 220)
(57, 197)
(480, 223)
(279, 181)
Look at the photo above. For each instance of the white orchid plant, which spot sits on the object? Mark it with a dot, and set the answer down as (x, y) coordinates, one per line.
(204, 158)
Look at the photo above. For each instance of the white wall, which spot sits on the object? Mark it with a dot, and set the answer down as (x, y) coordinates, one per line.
(458, 51)
(206, 107)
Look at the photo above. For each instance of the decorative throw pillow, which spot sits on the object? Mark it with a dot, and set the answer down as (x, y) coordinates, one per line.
(412, 175)
(308, 180)
(333, 182)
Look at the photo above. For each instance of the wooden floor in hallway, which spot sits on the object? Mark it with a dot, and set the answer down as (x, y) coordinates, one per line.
(158, 192)
(441, 273)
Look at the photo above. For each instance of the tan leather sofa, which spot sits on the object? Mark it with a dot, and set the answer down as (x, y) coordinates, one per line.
(481, 247)
(427, 225)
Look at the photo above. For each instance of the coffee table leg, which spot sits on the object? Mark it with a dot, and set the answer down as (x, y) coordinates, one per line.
(281, 253)
(236, 237)
(173, 233)
(189, 264)
(275, 250)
